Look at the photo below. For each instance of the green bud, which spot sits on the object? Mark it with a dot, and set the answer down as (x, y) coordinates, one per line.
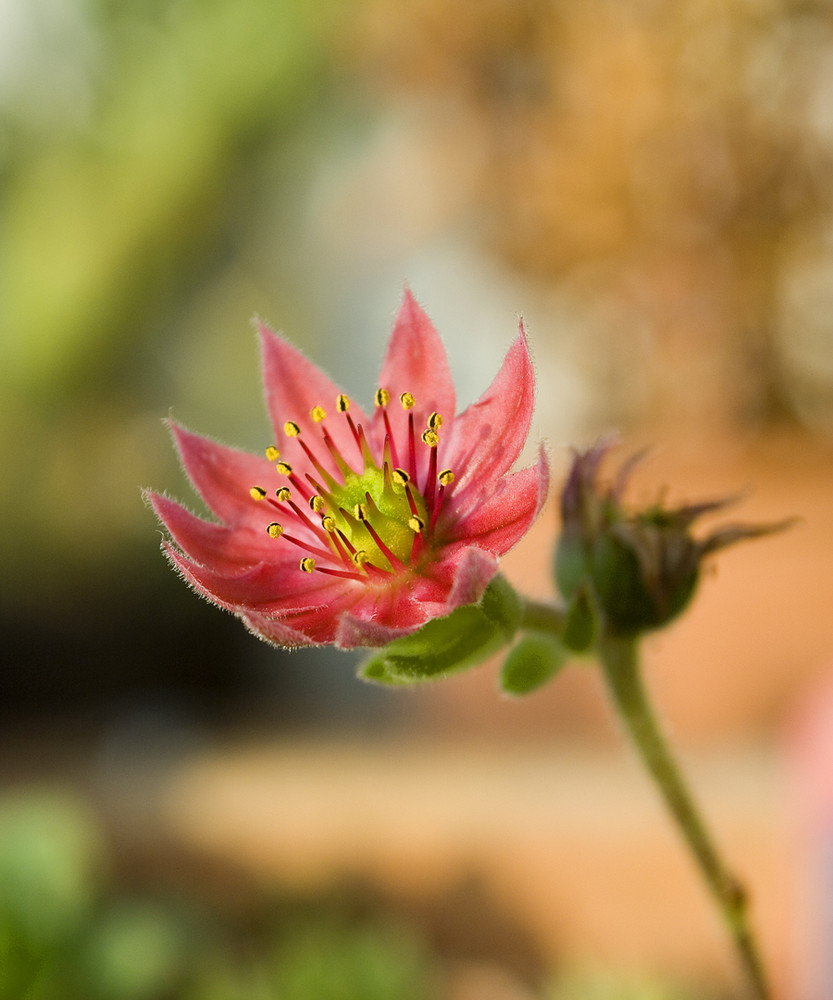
(637, 569)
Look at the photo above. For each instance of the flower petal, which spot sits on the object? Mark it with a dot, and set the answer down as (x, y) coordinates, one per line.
(276, 631)
(352, 631)
(415, 362)
(474, 569)
(487, 437)
(221, 475)
(223, 548)
(293, 385)
(497, 523)
(267, 587)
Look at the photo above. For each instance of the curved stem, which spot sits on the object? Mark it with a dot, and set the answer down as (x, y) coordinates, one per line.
(620, 662)
(538, 616)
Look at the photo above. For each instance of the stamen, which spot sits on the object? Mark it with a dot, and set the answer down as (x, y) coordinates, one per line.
(317, 504)
(446, 478)
(389, 444)
(316, 550)
(416, 524)
(257, 493)
(407, 400)
(382, 397)
(411, 443)
(400, 477)
(392, 558)
(346, 574)
(367, 454)
(351, 548)
(343, 405)
(274, 530)
(291, 429)
(360, 557)
(284, 468)
(338, 458)
(431, 478)
(360, 513)
(307, 564)
(314, 526)
(318, 414)
(328, 523)
(430, 438)
(435, 421)
(319, 468)
(272, 453)
(283, 494)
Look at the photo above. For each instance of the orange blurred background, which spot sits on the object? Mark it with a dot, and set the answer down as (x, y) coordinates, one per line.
(649, 187)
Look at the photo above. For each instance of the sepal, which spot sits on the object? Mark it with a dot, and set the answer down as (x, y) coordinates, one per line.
(443, 646)
(534, 661)
(581, 622)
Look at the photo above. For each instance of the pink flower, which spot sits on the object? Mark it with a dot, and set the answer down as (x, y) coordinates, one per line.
(357, 529)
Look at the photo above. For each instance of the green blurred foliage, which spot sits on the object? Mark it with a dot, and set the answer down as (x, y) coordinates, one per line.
(131, 187)
(68, 932)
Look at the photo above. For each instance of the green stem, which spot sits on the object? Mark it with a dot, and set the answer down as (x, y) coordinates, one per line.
(538, 616)
(620, 662)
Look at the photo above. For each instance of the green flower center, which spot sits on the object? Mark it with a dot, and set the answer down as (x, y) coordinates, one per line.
(372, 522)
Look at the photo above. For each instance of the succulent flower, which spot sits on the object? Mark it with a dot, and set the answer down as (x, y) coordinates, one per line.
(638, 569)
(357, 529)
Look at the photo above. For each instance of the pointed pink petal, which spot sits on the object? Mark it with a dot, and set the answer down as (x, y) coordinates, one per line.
(472, 574)
(293, 386)
(222, 476)
(352, 632)
(224, 549)
(486, 439)
(269, 588)
(497, 523)
(278, 633)
(415, 362)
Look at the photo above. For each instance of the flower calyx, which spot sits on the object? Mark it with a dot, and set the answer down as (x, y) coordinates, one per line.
(634, 570)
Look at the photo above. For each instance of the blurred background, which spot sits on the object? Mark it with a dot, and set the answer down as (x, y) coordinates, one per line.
(649, 185)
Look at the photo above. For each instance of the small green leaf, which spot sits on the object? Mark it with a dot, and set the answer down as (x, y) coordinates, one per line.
(442, 647)
(580, 625)
(534, 661)
(502, 605)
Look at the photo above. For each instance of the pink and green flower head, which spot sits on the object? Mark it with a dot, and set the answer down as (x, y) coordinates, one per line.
(357, 528)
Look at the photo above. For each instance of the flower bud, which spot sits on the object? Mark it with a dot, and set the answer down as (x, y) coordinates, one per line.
(640, 567)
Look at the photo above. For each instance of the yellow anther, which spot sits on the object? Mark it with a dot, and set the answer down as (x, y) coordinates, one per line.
(360, 512)
(291, 429)
(342, 403)
(283, 494)
(446, 477)
(400, 477)
(382, 397)
(317, 503)
(435, 421)
(407, 400)
(284, 468)
(318, 413)
(257, 493)
(275, 530)
(360, 557)
(307, 564)
(430, 438)
(272, 453)
(416, 523)
(328, 523)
